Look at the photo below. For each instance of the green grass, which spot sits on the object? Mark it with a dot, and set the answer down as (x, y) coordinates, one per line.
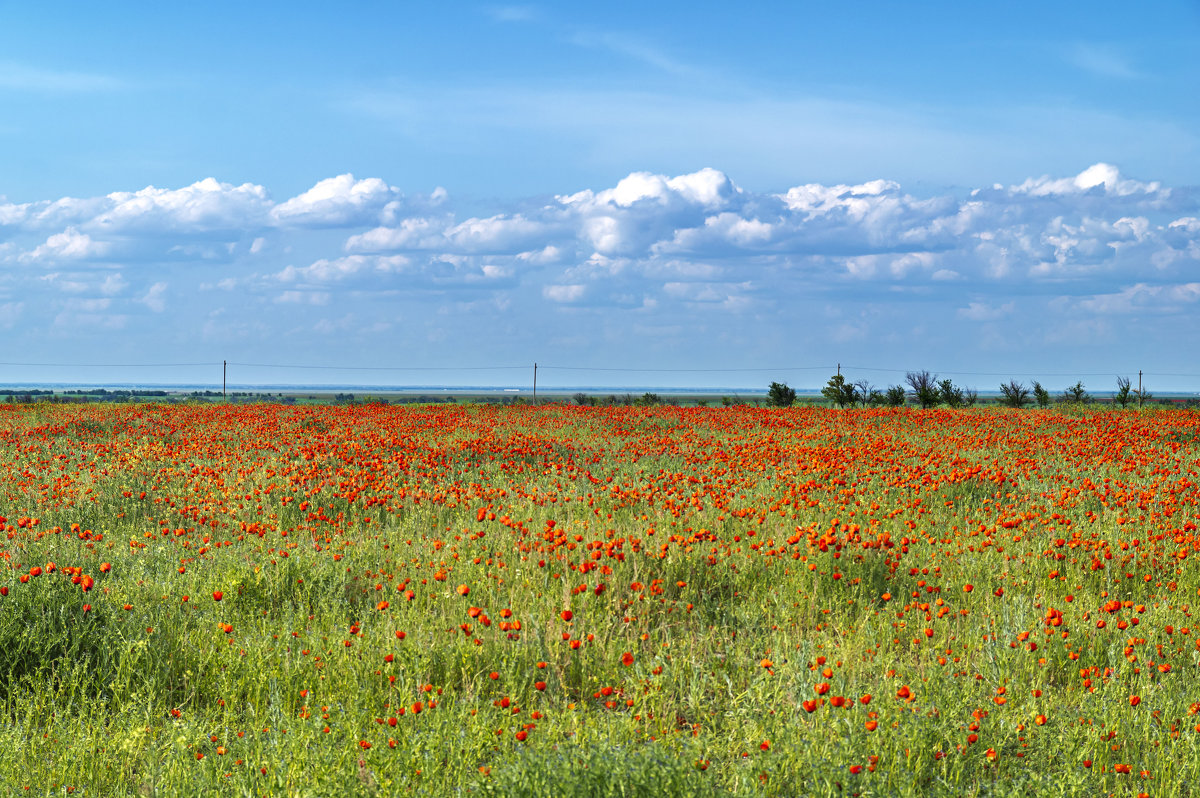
(144, 693)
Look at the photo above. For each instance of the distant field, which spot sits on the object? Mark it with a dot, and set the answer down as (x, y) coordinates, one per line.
(263, 599)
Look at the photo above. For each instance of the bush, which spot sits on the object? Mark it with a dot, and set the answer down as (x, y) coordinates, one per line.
(951, 395)
(1124, 392)
(780, 395)
(839, 391)
(894, 396)
(1040, 395)
(1075, 394)
(924, 388)
(1013, 394)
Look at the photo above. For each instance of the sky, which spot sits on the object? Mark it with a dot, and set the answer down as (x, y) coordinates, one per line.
(628, 194)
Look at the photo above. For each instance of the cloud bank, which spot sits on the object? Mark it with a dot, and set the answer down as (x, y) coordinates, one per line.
(1072, 259)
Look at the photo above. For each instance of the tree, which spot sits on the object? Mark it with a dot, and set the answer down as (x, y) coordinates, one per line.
(1040, 395)
(863, 391)
(839, 391)
(923, 388)
(1076, 394)
(780, 395)
(649, 400)
(970, 397)
(894, 396)
(1124, 392)
(1014, 394)
(1142, 396)
(950, 395)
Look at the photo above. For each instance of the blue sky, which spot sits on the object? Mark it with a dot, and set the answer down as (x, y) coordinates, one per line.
(1002, 190)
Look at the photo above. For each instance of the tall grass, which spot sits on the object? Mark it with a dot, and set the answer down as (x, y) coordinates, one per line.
(812, 602)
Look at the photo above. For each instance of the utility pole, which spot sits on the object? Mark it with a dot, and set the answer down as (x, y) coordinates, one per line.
(1139, 387)
(224, 366)
(839, 369)
(535, 384)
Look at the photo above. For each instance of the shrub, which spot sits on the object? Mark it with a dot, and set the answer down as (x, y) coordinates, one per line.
(780, 395)
(1040, 395)
(1013, 394)
(894, 396)
(839, 391)
(924, 388)
(950, 394)
(1075, 394)
(1124, 392)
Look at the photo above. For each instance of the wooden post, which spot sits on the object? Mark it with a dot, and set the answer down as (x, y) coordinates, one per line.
(224, 366)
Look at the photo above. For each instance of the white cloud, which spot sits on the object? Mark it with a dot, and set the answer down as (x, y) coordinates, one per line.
(336, 202)
(681, 249)
(337, 269)
(564, 293)
(1143, 297)
(1101, 177)
(10, 314)
(113, 284)
(303, 298)
(67, 245)
(980, 311)
(155, 297)
(205, 206)
(1104, 62)
(23, 77)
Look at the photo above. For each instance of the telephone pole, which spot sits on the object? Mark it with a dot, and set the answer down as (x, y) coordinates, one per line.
(1139, 387)
(535, 384)
(224, 367)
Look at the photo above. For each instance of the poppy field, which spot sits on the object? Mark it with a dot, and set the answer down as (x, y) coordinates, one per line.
(560, 600)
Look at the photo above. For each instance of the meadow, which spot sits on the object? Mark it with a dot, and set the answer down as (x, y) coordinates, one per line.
(561, 600)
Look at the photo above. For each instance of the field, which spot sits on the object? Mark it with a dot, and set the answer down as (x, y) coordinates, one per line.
(371, 600)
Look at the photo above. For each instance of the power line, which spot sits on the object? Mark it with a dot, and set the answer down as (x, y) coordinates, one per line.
(609, 369)
(1009, 373)
(690, 371)
(375, 368)
(114, 365)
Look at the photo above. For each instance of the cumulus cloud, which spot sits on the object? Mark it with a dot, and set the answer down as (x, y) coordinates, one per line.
(1101, 178)
(67, 245)
(336, 202)
(677, 248)
(155, 297)
(564, 293)
(206, 206)
(981, 311)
